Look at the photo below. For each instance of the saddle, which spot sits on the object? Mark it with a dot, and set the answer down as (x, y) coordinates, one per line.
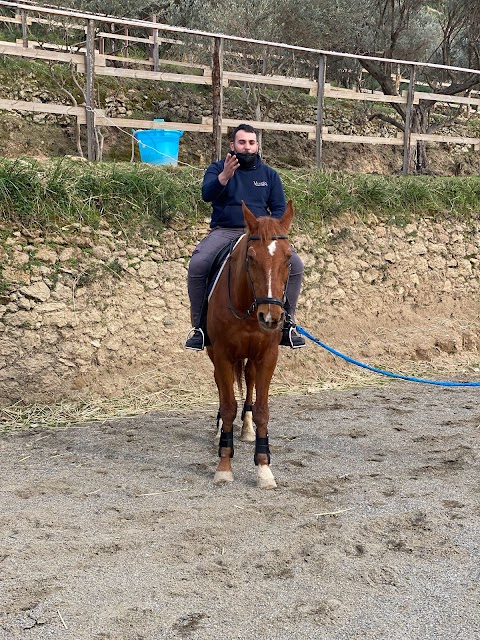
(212, 278)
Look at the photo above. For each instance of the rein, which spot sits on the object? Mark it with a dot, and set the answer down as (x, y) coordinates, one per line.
(256, 301)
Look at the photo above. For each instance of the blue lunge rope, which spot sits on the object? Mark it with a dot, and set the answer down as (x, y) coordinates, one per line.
(381, 371)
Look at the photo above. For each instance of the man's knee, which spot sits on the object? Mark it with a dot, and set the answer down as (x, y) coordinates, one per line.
(198, 266)
(296, 265)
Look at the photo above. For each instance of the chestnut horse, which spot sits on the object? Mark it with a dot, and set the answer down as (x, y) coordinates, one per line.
(244, 323)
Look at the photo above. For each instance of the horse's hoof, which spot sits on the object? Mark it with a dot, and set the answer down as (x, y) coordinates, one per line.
(247, 436)
(222, 476)
(265, 479)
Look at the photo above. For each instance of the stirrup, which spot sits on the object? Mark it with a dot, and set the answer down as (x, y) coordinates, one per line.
(195, 339)
(290, 337)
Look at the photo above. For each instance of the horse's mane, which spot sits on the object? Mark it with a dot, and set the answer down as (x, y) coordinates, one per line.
(268, 227)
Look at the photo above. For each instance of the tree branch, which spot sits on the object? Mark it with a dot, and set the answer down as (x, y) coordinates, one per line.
(455, 113)
(388, 120)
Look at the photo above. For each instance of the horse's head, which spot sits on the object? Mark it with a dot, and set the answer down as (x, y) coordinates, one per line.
(268, 264)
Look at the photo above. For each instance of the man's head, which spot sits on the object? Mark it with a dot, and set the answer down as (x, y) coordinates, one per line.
(244, 139)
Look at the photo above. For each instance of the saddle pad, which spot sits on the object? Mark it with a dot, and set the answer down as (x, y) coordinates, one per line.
(219, 264)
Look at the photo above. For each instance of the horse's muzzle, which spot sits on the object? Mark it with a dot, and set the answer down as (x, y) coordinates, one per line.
(269, 322)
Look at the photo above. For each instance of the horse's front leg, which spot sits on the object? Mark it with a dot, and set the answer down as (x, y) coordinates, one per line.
(228, 410)
(248, 432)
(261, 414)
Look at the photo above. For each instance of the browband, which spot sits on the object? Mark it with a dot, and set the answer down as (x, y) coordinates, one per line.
(272, 238)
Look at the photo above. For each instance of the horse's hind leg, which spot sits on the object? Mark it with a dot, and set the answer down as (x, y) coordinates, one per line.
(227, 411)
(248, 432)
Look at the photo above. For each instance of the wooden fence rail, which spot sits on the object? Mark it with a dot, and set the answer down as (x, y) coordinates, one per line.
(94, 62)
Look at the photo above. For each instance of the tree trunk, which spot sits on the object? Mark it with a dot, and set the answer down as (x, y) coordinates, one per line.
(419, 161)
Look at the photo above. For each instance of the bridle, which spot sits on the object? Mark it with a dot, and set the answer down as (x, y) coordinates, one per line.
(256, 301)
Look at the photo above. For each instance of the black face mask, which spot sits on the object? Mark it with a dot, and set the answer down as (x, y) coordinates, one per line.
(246, 160)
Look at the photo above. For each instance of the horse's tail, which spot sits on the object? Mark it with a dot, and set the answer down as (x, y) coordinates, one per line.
(239, 371)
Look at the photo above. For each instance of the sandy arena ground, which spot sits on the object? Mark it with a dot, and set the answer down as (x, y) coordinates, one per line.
(115, 530)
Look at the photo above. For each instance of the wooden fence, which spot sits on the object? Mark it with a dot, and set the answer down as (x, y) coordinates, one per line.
(91, 60)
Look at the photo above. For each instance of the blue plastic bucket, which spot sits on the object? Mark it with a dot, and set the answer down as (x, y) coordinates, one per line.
(158, 146)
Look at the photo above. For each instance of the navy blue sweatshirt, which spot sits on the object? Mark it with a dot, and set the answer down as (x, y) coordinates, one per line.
(259, 187)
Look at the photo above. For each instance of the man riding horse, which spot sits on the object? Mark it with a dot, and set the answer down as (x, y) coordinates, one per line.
(242, 176)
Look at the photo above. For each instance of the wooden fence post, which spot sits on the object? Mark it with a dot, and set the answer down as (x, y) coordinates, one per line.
(113, 42)
(23, 14)
(155, 46)
(90, 89)
(408, 123)
(125, 44)
(322, 67)
(217, 91)
(398, 78)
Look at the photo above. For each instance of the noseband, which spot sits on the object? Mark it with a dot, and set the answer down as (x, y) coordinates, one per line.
(256, 301)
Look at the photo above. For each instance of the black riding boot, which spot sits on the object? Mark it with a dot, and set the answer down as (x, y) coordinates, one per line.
(195, 339)
(290, 337)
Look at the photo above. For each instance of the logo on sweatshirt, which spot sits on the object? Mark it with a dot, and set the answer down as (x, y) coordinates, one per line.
(260, 184)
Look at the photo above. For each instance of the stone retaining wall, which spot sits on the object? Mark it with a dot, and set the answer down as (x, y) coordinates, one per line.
(86, 312)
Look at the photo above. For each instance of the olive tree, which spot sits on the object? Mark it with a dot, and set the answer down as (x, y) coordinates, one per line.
(439, 31)
(444, 32)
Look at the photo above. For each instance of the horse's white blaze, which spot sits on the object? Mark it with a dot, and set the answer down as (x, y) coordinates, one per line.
(271, 247)
(248, 432)
(270, 283)
(265, 479)
(268, 317)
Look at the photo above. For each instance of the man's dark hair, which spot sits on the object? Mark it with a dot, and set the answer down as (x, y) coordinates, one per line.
(243, 127)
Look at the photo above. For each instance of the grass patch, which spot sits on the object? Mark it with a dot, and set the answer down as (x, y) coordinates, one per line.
(147, 198)
(320, 197)
(127, 196)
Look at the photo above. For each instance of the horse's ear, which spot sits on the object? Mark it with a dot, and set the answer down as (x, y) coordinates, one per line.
(250, 220)
(286, 219)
